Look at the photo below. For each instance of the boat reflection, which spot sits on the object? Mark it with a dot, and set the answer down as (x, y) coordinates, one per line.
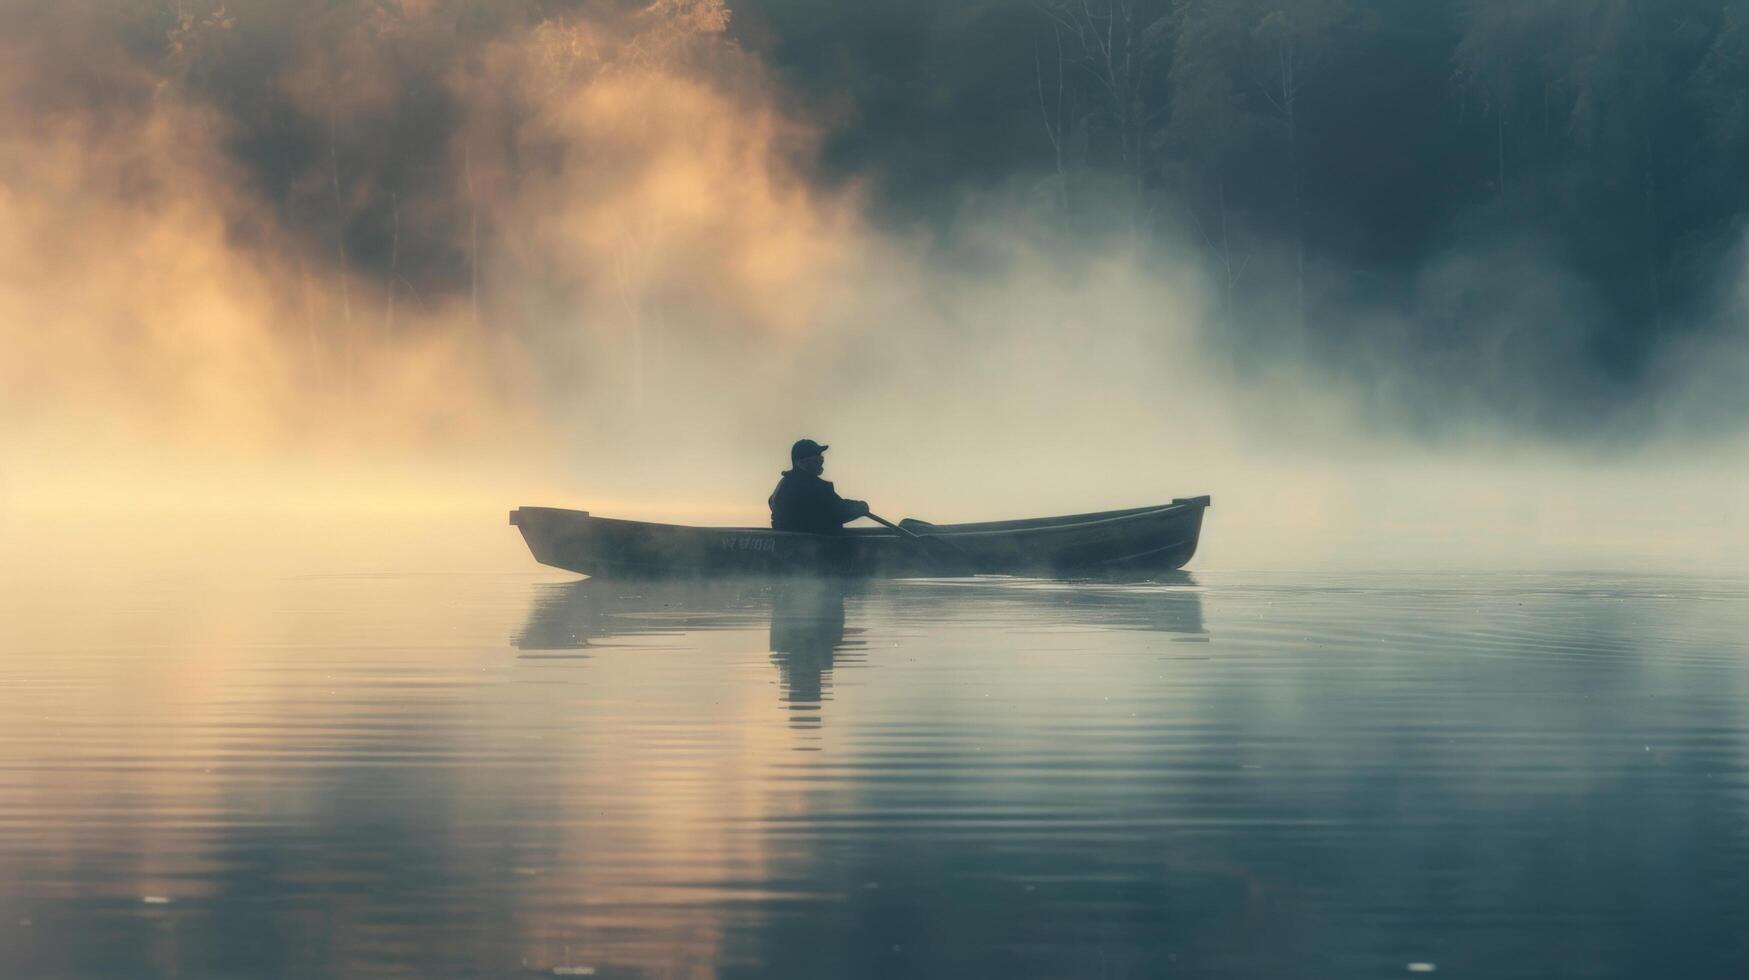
(592, 613)
(807, 619)
(1168, 602)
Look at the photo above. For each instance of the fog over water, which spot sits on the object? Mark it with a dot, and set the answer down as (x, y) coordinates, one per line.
(267, 273)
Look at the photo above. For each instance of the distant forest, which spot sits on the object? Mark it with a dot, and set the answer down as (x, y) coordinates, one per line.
(1324, 151)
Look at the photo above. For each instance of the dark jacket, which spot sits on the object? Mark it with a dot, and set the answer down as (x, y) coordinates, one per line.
(804, 502)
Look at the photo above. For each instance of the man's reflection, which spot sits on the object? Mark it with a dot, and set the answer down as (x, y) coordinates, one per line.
(807, 632)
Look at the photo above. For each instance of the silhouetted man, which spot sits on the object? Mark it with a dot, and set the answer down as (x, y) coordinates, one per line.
(804, 502)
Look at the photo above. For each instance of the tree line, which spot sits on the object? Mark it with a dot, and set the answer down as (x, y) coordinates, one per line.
(1320, 152)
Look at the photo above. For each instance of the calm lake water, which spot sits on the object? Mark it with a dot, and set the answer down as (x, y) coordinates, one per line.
(1224, 775)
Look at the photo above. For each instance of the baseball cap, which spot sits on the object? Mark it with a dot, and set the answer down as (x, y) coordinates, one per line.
(804, 448)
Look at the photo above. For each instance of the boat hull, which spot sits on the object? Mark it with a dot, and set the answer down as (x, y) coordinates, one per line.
(1142, 539)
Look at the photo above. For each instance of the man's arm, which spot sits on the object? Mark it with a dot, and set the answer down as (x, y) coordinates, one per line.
(850, 510)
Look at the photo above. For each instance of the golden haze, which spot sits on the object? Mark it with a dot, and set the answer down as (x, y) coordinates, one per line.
(652, 297)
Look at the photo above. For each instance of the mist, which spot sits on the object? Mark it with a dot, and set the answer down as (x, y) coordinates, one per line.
(335, 291)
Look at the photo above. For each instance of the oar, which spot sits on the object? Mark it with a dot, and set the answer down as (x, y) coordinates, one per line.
(958, 555)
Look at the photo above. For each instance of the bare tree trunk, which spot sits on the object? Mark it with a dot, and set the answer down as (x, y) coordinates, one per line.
(1289, 97)
(1055, 129)
(346, 369)
(1226, 248)
(340, 219)
(1220, 245)
(1126, 93)
(1652, 273)
(394, 265)
(473, 233)
(1649, 151)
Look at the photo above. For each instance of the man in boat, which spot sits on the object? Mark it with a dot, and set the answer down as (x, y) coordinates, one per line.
(804, 502)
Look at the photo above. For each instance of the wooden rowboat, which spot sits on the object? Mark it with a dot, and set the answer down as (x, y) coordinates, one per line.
(1141, 539)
